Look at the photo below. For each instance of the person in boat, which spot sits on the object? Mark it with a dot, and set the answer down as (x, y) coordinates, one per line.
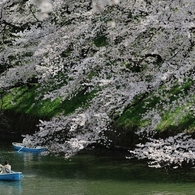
(27, 142)
(6, 167)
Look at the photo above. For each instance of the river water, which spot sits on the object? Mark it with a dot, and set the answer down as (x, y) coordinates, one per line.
(86, 174)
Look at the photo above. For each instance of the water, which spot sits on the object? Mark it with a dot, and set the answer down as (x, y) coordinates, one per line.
(102, 174)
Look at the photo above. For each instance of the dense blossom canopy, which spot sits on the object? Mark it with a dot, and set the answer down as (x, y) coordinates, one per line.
(119, 50)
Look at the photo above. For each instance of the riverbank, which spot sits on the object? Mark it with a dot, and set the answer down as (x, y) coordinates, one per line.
(17, 124)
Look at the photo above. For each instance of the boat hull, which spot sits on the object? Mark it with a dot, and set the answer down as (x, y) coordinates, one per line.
(21, 147)
(14, 176)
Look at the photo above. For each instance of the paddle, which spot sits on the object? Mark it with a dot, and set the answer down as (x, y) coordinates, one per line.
(20, 148)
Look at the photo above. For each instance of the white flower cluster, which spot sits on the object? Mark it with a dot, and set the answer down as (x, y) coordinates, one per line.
(2, 1)
(45, 7)
(171, 152)
(99, 5)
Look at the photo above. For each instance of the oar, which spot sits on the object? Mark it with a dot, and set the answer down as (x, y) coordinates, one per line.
(20, 148)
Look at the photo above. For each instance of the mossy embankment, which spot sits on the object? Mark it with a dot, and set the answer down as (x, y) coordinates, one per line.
(22, 111)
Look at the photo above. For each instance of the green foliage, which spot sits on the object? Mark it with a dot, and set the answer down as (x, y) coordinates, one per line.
(22, 99)
(177, 121)
(132, 117)
(100, 41)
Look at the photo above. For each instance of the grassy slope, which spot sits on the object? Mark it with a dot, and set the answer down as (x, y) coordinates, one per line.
(22, 100)
(176, 118)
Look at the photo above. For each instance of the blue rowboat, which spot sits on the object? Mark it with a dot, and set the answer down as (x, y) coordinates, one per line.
(21, 147)
(13, 176)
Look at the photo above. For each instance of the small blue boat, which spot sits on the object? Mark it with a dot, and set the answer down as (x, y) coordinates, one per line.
(21, 147)
(13, 176)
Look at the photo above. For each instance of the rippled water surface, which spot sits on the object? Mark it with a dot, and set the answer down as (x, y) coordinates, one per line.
(102, 174)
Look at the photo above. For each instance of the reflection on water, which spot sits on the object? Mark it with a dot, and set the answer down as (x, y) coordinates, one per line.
(10, 188)
(91, 175)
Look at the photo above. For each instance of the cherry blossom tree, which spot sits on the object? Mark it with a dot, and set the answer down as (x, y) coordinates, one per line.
(119, 50)
(171, 153)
